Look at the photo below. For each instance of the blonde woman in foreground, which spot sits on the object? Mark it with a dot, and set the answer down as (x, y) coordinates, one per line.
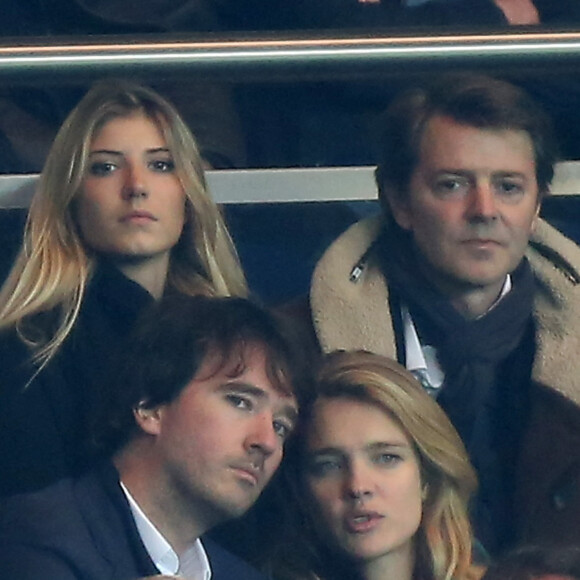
(121, 216)
(381, 478)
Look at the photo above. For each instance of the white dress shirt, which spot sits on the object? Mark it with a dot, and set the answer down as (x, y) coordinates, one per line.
(193, 564)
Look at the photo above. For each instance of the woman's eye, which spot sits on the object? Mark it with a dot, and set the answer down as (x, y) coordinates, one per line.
(100, 168)
(163, 165)
(323, 467)
(387, 458)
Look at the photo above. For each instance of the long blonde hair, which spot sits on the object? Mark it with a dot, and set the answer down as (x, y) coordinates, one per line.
(444, 538)
(53, 267)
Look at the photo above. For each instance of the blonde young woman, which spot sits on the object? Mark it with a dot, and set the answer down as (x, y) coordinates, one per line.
(121, 216)
(382, 480)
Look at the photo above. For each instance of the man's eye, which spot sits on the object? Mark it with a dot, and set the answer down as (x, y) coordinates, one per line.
(100, 168)
(163, 165)
(451, 185)
(510, 188)
(282, 429)
(240, 402)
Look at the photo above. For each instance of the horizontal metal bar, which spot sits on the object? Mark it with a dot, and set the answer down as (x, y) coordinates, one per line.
(284, 185)
(249, 58)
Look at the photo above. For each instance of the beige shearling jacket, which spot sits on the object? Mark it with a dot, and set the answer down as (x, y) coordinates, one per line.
(353, 313)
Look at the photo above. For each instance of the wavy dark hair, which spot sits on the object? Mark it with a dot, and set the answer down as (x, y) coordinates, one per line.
(171, 342)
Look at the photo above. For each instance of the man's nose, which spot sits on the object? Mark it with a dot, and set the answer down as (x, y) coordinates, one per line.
(262, 435)
(482, 202)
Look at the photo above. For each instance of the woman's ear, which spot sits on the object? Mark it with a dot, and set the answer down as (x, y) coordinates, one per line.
(424, 492)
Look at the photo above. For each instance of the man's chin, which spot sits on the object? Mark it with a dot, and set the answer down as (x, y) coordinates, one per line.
(235, 507)
(468, 280)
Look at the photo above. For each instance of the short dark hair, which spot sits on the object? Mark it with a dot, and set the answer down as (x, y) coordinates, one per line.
(475, 100)
(169, 345)
(531, 562)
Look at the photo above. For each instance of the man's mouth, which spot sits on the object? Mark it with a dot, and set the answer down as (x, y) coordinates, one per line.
(249, 472)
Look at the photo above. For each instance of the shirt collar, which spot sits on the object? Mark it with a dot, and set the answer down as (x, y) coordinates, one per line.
(193, 562)
(418, 356)
(507, 286)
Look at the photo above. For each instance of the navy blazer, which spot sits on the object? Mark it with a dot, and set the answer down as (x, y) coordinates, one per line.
(83, 529)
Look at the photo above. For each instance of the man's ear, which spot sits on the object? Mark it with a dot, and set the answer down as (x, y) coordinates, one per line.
(399, 208)
(148, 419)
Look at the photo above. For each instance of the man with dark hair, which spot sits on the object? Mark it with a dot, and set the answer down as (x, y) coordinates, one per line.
(197, 421)
(462, 282)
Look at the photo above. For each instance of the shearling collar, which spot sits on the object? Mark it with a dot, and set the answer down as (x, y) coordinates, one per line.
(354, 314)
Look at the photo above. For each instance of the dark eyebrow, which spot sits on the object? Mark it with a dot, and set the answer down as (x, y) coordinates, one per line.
(289, 411)
(510, 174)
(245, 388)
(468, 173)
(449, 171)
(327, 451)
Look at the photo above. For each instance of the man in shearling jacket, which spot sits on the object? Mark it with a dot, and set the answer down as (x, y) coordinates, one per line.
(462, 282)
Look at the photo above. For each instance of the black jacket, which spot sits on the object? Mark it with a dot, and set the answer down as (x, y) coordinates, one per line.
(45, 423)
(83, 529)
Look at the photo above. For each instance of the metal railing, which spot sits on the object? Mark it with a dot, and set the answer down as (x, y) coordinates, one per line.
(284, 185)
(245, 57)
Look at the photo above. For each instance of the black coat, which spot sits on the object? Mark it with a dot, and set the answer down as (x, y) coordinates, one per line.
(45, 423)
(83, 529)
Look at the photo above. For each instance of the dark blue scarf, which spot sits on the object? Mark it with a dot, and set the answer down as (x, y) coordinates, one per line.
(487, 364)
